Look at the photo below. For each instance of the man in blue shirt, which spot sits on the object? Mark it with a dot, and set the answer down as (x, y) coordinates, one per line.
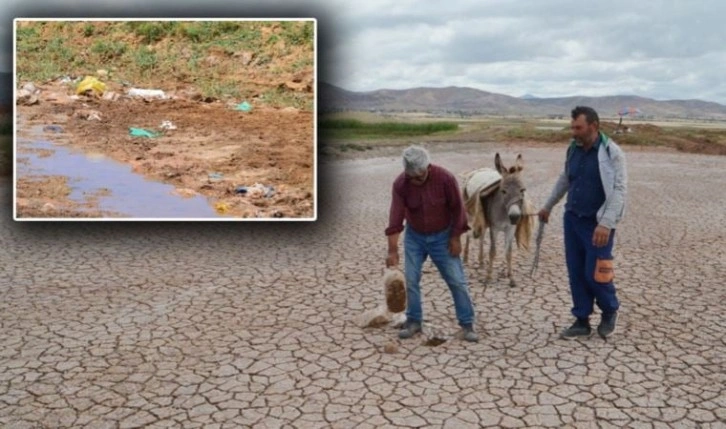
(595, 181)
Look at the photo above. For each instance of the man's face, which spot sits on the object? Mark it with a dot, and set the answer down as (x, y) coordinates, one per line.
(419, 178)
(581, 130)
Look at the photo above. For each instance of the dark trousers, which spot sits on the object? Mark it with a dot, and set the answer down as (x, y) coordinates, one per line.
(581, 256)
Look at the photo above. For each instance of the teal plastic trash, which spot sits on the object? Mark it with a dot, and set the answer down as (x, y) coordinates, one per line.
(244, 106)
(140, 132)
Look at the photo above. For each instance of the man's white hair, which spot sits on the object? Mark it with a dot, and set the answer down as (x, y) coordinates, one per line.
(415, 159)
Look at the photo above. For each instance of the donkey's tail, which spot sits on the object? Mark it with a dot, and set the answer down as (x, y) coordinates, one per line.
(525, 226)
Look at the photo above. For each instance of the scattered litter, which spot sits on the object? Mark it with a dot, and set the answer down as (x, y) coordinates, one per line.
(244, 106)
(91, 115)
(91, 84)
(147, 93)
(140, 132)
(221, 207)
(167, 125)
(27, 94)
(111, 96)
(256, 191)
(30, 87)
(53, 129)
(102, 73)
(27, 98)
(215, 177)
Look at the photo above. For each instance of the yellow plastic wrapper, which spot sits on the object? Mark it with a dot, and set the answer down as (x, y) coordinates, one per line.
(92, 84)
(221, 207)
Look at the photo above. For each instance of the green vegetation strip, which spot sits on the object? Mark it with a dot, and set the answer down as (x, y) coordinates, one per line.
(144, 53)
(350, 128)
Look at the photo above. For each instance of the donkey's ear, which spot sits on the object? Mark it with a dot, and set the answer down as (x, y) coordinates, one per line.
(519, 164)
(498, 163)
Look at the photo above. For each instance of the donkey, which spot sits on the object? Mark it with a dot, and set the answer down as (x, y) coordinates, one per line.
(505, 209)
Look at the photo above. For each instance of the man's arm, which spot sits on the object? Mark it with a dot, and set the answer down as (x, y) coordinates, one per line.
(614, 205)
(392, 258)
(558, 191)
(396, 216)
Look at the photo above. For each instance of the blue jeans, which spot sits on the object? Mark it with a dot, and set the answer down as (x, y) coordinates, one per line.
(417, 248)
(581, 256)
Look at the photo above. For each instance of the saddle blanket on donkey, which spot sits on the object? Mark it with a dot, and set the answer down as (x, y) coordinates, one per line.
(478, 183)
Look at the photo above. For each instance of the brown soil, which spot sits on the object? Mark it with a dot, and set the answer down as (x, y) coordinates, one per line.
(270, 146)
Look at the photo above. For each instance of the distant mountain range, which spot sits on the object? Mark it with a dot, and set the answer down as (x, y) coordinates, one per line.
(470, 101)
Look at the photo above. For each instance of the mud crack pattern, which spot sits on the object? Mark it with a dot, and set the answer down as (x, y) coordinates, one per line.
(250, 325)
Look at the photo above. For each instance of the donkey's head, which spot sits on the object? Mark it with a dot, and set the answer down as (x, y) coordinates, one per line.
(511, 187)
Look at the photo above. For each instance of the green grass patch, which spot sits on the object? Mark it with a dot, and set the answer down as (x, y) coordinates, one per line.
(153, 31)
(353, 128)
(108, 50)
(280, 97)
(220, 89)
(297, 32)
(153, 53)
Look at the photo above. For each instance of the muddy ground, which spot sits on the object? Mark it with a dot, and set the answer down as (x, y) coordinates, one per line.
(271, 146)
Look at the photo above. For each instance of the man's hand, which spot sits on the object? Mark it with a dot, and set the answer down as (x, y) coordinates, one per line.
(455, 246)
(544, 215)
(392, 259)
(601, 236)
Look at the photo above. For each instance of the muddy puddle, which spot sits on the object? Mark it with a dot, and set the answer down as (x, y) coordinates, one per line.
(110, 186)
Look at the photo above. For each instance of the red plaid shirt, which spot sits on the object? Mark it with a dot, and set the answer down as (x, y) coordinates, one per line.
(429, 208)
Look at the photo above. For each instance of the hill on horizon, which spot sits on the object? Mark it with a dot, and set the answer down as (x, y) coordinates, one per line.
(471, 101)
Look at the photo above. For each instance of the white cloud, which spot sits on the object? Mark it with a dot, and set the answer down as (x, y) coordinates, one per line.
(661, 48)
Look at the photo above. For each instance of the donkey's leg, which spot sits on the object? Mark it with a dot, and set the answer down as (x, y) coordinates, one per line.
(481, 248)
(466, 246)
(509, 245)
(492, 253)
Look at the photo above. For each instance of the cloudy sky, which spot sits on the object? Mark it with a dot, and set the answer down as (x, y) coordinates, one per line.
(663, 49)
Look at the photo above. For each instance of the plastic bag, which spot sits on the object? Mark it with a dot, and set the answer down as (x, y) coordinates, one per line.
(140, 132)
(90, 83)
(147, 93)
(244, 106)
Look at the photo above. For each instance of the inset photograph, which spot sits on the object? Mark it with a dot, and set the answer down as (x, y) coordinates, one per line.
(165, 119)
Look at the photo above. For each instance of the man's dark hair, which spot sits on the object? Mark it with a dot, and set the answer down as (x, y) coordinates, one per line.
(590, 114)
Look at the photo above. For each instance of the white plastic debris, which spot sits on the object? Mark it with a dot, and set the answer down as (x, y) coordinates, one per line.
(26, 97)
(257, 190)
(111, 96)
(167, 125)
(147, 93)
(30, 87)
